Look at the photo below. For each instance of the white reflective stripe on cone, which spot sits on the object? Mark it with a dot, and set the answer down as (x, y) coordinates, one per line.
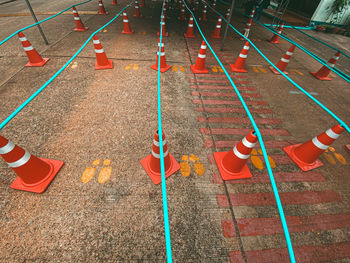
(219, 19)
(23, 160)
(335, 57)
(28, 48)
(75, 11)
(203, 47)
(242, 55)
(23, 39)
(247, 143)
(246, 47)
(161, 45)
(96, 41)
(239, 155)
(285, 60)
(7, 148)
(279, 32)
(157, 143)
(289, 53)
(125, 20)
(162, 54)
(191, 19)
(329, 132)
(190, 25)
(100, 4)
(331, 65)
(125, 14)
(136, 6)
(248, 24)
(319, 144)
(201, 56)
(204, 11)
(76, 18)
(99, 50)
(218, 26)
(158, 155)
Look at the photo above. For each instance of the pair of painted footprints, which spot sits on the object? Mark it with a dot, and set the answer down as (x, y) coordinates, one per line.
(185, 165)
(337, 156)
(259, 162)
(104, 174)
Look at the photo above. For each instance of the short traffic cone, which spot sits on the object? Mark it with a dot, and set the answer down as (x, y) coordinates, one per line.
(162, 24)
(79, 26)
(306, 155)
(151, 163)
(35, 60)
(323, 72)
(163, 66)
(182, 13)
(102, 62)
(126, 29)
(189, 32)
(101, 8)
(232, 164)
(199, 67)
(204, 14)
(283, 63)
(247, 28)
(34, 174)
(228, 13)
(142, 3)
(239, 64)
(114, 2)
(137, 9)
(275, 39)
(216, 33)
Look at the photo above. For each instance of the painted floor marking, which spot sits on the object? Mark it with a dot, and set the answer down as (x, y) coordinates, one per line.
(229, 102)
(299, 92)
(331, 156)
(217, 87)
(185, 165)
(243, 131)
(178, 67)
(133, 66)
(232, 110)
(104, 174)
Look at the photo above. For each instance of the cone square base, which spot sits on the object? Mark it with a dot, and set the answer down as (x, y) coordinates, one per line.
(81, 29)
(108, 66)
(103, 13)
(227, 175)
(215, 37)
(240, 70)
(276, 72)
(127, 32)
(40, 187)
(318, 77)
(274, 41)
(199, 71)
(166, 68)
(189, 36)
(40, 64)
(303, 166)
(156, 178)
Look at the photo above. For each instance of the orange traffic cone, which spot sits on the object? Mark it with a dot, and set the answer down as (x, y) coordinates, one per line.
(34, 174)
(189, 32)
(283, 63)
(102, 62)
(199, 67)
(232, 164)
(196, 5)
(79, 26)
(35, 60)
(163, 66)
(239, 64)
(137, 9)
(216, 33)
(126, 29)
(179, 4)
(228, 13)
(162, 24)
(142, 3)
(182, 13)
(204, 14)
(252, 13)
(306, 155)
(323, 72)
(247, 28)
(214, 4)
(275, 39)
(151, 163)
(114, 2)
(165, 13)
(101, 8)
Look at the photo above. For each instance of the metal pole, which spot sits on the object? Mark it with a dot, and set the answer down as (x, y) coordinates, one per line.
(36, 21)
(229, 21)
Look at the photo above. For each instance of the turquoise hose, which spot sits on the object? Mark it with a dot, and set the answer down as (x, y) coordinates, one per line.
(41, 21)
(258, 134)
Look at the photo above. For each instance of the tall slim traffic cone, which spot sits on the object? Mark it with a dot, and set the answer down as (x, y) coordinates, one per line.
(79, 26)
(204, 14)
(228, 13)
(214, 4)
(252, 13)
(182, 13)
(196, 5)
(137, 9)
(163, 66)
(247, 28)
(283, 63)
(306, 155)
(239, 64)
(102, 62)
(34, 174)
(114, 2)
(189, 32)
(323, 72)
(162, 24)
(151, 163)
(216, 33)
(275, 38)
(35, 60)
(165, 13)
(199, 67)
(232, 164)
(126, 28)
(101, 8)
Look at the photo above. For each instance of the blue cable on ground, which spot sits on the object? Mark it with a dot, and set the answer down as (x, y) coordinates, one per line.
(36, 93)
(160, 134)
(41, 21)
(258, 134)
(342, 123)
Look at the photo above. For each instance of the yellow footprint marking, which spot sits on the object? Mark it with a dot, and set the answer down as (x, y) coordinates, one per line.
(105, 172)
(174, 68)
(106, 162)
(199, 168)
(256, 160)
(221, 70)
(128, 67)
(105, 30)
(74, 65)
(214, 69)
(255, 69)
(329, 157)
(193, 157)
(182, 68)
(136, 67)
(262, 69)
(89, 172)
(185, 168)
(271, 161)
(96, 162)
(185, 158)
(338, 156)
(144, 33)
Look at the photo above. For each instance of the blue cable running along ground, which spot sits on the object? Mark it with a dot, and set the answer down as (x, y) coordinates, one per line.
(258, 134)
(41, 21)
(342, 123)
(162, 167)
(36, 93)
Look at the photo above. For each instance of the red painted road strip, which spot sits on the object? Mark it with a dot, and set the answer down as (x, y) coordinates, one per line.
(229, 102)
(279, 178)
(279, 159)
(234, 131)
(230, 144)
(218, 76)
(307, 254)
(237, 120)
(210, 87)
(225, 94)
(232, 110)
(225, 81)
(291, 198)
